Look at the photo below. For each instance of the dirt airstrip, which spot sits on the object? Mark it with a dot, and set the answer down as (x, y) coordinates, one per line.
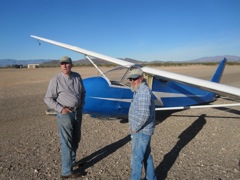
(190, 144)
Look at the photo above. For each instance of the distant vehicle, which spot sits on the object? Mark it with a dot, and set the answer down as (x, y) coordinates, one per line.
(111, 97)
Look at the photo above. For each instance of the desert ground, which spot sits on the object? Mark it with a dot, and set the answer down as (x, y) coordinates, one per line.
(190, 144)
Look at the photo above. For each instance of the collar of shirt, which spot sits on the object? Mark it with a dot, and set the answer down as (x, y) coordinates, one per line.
(139, 87)
(65, 76)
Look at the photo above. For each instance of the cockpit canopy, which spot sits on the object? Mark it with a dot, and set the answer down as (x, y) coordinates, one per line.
(118, 76)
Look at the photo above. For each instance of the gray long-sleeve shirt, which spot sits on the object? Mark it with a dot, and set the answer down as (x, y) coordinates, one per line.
(65, 91)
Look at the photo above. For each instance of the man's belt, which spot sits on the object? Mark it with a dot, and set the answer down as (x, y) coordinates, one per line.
(73, 108)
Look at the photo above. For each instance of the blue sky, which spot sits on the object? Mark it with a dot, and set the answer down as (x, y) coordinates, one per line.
(168, 30)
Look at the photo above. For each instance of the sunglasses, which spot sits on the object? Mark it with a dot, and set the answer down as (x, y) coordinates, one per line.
(133, 79)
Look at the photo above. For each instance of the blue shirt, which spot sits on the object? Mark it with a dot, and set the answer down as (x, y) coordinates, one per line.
(141, 114)
(65, 91)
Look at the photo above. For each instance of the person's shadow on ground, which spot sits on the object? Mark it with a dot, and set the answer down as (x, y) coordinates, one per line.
(184, 138)
(97, 156)
(169, 159)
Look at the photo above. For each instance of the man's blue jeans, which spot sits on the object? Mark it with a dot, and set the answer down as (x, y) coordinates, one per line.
(141, 154)
(70, 134)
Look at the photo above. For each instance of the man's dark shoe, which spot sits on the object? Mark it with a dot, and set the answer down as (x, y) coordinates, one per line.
(78, 164)
(73, 175)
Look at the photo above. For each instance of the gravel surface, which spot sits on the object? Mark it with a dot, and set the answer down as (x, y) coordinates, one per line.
(190, 144)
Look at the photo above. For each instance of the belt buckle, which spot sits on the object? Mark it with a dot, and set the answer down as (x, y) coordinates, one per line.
(74, 108)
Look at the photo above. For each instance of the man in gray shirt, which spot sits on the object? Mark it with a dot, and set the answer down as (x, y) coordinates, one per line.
(65, 94)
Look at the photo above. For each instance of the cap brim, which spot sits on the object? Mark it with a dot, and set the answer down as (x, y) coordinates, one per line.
(65, 62)
(133, 76)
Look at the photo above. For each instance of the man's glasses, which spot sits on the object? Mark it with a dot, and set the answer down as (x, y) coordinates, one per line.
(133, 79)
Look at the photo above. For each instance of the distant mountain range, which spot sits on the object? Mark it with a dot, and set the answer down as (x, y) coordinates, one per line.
(218, 58)
(50, 62)
(11, 62)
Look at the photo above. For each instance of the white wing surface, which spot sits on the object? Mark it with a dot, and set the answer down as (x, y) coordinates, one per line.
(218, 88)
(86, 52)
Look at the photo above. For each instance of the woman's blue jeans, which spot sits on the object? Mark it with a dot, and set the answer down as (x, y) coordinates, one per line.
(70, 134)
(141, 154)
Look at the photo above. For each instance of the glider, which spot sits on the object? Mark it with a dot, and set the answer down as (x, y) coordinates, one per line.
(112, 97)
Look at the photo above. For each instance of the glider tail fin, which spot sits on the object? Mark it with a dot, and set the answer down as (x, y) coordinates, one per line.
(218, 74)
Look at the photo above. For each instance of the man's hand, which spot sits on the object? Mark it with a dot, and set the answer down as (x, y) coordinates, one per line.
(65, 110)
(133, 132)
